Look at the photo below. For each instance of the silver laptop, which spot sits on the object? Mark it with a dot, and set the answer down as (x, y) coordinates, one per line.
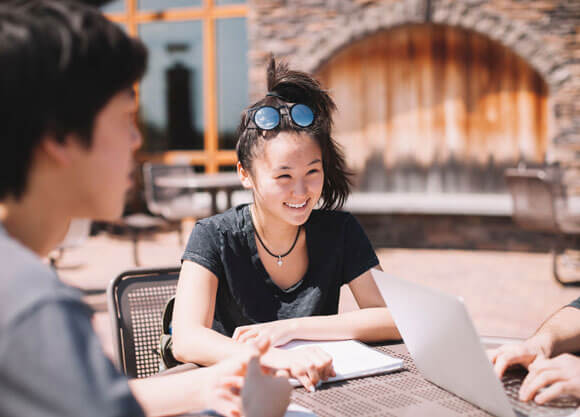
(445, 347)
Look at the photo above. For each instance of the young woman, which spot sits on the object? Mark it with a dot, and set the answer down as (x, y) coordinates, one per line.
(273, 269)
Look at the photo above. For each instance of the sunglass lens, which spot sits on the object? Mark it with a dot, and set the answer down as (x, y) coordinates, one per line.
(267, 118)
(302, 115)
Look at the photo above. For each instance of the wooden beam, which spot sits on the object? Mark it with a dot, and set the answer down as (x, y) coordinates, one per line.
(210, 94)
(192, 14)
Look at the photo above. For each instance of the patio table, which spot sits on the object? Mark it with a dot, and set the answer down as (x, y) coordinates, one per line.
(400, 393)
(212, 183)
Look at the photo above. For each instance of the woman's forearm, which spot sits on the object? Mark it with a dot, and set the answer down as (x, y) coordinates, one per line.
(205, 346)
(367, 325)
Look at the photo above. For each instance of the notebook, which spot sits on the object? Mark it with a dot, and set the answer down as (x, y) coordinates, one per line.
(350, 358)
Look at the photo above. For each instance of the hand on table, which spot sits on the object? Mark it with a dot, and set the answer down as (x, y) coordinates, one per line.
(559, 376)
(308, 365)
(277, 332)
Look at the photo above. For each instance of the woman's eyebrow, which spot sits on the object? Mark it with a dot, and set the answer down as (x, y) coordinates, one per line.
(310, 163)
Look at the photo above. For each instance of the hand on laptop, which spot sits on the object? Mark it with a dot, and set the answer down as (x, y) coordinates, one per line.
(515, 354)
(559, 376)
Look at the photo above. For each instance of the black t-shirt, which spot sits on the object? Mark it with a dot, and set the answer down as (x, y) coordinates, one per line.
(575, 303)
(338, 252)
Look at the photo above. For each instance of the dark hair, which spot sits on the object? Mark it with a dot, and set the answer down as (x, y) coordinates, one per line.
(60, 63)
(298, 87)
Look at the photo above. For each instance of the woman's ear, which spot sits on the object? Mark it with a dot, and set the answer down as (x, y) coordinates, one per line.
(244, 176)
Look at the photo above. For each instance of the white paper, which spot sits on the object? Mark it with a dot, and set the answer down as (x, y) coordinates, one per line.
(295, 410)
(350, 358)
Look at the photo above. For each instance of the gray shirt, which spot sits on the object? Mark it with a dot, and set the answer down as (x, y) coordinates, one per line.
(51, 362)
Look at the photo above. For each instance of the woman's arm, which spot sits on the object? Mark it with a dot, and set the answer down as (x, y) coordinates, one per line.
(372, 323)
(193, 338)
(195, 341)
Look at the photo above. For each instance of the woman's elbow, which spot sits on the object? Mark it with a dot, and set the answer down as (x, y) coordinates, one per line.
(179, 349)
(183, 345)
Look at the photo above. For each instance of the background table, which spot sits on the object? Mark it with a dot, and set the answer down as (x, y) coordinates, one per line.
(212, 183)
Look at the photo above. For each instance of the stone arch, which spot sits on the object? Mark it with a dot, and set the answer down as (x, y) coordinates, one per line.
(524, 40)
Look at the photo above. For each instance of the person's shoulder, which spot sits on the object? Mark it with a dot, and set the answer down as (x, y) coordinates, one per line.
(233, 219)
(330, 217)
(27, 281)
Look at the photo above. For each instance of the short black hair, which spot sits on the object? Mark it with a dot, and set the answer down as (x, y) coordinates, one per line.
(290, 86)
(61, 61)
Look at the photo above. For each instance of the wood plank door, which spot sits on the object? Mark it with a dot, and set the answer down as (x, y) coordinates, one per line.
(435, 108)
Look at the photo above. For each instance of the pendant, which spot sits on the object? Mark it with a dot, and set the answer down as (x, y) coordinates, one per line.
(279, 261)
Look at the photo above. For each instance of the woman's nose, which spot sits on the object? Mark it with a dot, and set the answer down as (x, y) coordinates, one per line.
(300, 188)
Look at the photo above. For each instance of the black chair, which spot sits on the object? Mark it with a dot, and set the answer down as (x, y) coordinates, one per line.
(542, 202)
(136, 300)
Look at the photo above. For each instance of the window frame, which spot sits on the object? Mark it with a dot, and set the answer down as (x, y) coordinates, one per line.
(211, 156)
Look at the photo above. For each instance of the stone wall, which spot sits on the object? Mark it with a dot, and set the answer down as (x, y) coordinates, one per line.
(544, 32)
(456, 232)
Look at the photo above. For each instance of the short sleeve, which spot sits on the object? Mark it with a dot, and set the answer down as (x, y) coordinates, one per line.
(52, 364)
(204, 248)
(575, 303)
(359, 255)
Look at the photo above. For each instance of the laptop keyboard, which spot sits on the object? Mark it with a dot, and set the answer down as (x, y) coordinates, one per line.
(563, 406)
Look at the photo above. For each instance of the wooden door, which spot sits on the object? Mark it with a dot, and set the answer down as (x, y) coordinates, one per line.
(430, 107)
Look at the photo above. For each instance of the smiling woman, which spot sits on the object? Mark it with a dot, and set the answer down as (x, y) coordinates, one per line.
(272, 270)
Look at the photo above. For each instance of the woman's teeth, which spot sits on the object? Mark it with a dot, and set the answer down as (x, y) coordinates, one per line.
(295, 205)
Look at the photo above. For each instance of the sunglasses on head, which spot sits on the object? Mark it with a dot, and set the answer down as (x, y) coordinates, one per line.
(268, 117)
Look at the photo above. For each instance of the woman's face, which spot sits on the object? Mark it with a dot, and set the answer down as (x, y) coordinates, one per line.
(286, 177)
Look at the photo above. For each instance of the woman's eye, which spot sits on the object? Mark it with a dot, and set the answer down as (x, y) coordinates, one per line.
(282, 176)
(313, 171)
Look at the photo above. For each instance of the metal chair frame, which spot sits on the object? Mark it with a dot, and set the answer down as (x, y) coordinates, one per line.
(136, 300)
(540, 201)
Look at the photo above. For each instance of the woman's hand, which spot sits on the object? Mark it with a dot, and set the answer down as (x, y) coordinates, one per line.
(308, 365)
(277, 333)
(561, 376)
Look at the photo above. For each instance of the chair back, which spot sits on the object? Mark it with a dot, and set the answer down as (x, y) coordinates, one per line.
(160, 199)
(533, 199)
(78, 232)
(136, 301)
(173, 203)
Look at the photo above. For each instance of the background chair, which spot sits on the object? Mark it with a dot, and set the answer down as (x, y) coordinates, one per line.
(136, 300)
(169, 205)
(78, 233)
(173, 203)
(544, 201)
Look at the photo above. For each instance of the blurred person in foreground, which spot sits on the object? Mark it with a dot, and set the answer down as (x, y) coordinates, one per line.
(67, 127)
(552, 370)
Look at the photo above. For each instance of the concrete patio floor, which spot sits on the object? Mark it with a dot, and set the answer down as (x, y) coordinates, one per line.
(507, 293)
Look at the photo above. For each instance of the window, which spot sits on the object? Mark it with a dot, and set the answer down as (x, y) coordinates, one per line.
(196, 85)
